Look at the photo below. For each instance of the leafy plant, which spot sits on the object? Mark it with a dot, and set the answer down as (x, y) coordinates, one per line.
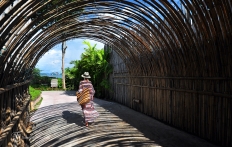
(95, 61)
(59, 82)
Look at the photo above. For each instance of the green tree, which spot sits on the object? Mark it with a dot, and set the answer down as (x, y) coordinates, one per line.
(70, 78)
(36, 78)
(95, 61)
(36, 72)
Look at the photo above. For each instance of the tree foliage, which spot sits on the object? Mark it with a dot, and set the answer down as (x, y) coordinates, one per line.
(36, 76)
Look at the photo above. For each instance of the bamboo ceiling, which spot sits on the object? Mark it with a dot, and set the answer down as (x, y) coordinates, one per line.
(166, 37)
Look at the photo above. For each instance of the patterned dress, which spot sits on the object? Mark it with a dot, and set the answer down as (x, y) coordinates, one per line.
(90, 114)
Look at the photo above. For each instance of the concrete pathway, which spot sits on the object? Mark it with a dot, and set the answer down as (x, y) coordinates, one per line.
(59, 119)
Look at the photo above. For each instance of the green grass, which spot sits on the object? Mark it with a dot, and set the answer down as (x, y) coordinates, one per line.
(34, 93)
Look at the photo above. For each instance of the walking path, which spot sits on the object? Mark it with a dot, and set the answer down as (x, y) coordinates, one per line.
(58, 123)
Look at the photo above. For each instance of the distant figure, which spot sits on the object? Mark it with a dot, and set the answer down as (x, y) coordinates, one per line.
(90, 114)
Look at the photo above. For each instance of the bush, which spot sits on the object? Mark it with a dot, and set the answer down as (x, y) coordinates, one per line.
(59, 83)
(34, 93)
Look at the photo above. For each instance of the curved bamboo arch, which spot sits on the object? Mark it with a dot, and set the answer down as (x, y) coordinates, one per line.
(178, 33)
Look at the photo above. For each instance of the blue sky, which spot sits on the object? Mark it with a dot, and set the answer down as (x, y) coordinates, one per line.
(51, 61)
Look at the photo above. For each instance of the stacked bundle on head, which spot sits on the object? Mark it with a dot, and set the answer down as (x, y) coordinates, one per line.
(83, 97)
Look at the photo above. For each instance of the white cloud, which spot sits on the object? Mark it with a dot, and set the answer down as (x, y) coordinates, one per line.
(53, 52)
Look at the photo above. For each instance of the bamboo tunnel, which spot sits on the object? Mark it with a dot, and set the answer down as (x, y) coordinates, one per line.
(171, 58)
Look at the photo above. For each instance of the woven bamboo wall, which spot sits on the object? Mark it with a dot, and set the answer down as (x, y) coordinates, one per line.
(15, 118)
(198, 105)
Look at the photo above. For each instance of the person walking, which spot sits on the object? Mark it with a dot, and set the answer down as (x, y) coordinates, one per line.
(90, 114)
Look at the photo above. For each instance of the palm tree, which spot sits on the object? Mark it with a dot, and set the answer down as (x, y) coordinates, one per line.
(95, 61)
(89, 59)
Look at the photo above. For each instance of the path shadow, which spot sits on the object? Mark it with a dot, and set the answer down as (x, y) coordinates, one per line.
(72, 117)
(69, 93)
(54, 122)
(60, 125)
(117, 125)
(151, 128)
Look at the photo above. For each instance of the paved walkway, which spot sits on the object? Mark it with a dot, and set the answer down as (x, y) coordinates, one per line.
(59, 119)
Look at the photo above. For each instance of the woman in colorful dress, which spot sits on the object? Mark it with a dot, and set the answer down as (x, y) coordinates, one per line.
(90, 114)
